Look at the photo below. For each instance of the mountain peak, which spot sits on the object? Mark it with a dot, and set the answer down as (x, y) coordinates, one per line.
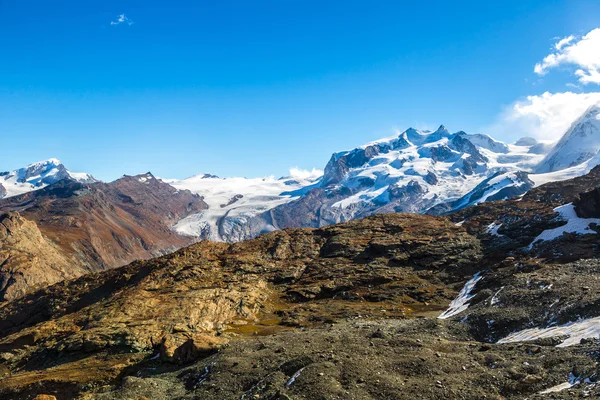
(38, 175)
(442, 128)
(579, 144)
(526, 141)
(51, 162)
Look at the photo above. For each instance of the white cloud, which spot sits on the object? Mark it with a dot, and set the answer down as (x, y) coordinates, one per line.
(563, 42)
(545, 117)
(582, 52)
(298, 173)
(122, 19)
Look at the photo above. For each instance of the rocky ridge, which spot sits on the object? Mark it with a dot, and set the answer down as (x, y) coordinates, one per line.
(92, 227)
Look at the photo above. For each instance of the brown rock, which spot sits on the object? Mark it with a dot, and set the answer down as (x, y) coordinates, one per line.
(28, 259)
(68, 229)
(182, 350)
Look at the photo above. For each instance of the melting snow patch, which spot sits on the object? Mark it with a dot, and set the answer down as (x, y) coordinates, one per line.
(495, 299)
(574, 224)
(492, 229)
(582, 329)
(573, 380)
(294, 377)
(460, 303)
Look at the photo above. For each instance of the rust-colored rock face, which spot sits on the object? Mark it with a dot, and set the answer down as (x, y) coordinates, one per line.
(92, 227)
(190, 303)
(27, 260)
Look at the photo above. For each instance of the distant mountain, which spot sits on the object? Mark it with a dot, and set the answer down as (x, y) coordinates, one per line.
(434, 172)
(91, 227)
(36, 176)
(579, 144)
(410, 172)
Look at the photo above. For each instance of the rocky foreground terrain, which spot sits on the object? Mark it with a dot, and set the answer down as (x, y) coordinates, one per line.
(498, 301)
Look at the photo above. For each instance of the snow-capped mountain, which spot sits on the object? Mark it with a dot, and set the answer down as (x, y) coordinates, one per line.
(37, 176)
(235, 203)
(578, 145)
(414, 171)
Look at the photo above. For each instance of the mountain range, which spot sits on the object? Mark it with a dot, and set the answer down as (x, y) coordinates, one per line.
(497, 300)
(415, 171)
(92, 225)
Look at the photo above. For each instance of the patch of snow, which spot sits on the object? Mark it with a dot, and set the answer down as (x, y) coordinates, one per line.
(460, 304)
(577, 330)
(573, 380)
(494, 300)
(291, 381)
(492, 229)
(574, 225)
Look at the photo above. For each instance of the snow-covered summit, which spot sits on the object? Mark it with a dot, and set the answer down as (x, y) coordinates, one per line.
(579, 144)
(37, 176)
(411, 171)
(416, 170)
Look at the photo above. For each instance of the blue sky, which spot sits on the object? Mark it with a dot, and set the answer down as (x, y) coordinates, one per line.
(240, 88)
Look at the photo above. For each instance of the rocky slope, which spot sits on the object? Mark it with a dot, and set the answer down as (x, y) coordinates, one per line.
(28, 261)
(187, 304)
(329, 312)
(94, 227)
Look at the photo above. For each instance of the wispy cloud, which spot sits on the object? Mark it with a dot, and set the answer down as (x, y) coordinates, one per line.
(563, 42)
(122, 19)
(545, 117)
(298, 173)
(581, 52)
